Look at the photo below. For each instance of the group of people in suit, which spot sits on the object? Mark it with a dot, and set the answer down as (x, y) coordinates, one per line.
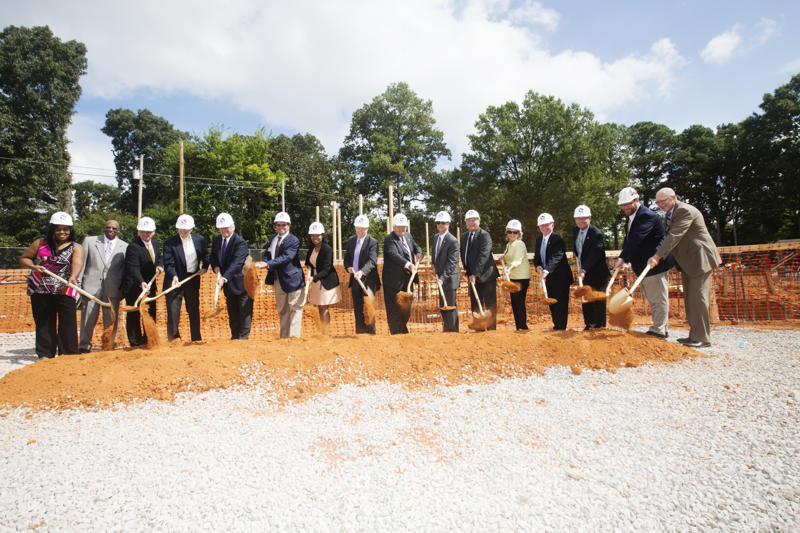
(109, 268)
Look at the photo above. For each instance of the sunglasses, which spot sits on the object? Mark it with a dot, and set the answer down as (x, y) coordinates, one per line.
(440, 222)
(281, 224)
(511, 232)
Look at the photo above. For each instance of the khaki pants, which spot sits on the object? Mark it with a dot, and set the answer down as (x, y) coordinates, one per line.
(656, 290)
(289, 310)
(695, 299)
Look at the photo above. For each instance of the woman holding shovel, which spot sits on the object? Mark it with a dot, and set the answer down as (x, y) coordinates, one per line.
(143, 263)
(517, 272)
(324, 290)
(52, 302)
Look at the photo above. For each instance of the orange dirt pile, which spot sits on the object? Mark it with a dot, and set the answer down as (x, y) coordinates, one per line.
(296, 369)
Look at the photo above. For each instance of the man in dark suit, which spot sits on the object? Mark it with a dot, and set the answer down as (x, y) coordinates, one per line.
(399, 251)
(448, 275)
(281, 257)
(479, 266)
(643, 233)
(184, 254)
(550, 259)
(361, 261)
(696, 256)
(143, 262)
(590, 256)
(228, 253)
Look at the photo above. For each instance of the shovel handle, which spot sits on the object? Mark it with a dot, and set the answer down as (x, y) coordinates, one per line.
(477, 298)
(640, 278)
(216, 289)
(544, 288)
(145, 291)
(611, 283)
(411, 279)
(505, 269)
(81, 291)
(308, 286)
(441, 291)
(361, 283)
(162, 293)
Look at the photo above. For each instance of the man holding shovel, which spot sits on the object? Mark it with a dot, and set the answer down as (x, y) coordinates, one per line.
(286, 276)
(590, 256)
(399, 253)
(143, 262)
(228, 253)
(361, 261)
(479, 267)
(550, 259)
(448, 275)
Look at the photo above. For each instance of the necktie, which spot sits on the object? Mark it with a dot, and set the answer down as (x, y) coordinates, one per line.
(628, 226)
(277, 246)
(109, 249)
(469, 242)
(667, 221)
(579, 245)
(405, 245)
(355, 255)
(150, 251)
(439, 240)
(544, 247)
(224, 246)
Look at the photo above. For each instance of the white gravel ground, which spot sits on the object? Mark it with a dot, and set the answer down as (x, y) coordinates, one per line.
(700, 445)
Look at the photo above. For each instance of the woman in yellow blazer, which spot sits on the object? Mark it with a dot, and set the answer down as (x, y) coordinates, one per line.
(519, 271)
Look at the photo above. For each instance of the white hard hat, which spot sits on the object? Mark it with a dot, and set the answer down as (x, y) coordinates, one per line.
(472, 214)
(282, 216)
(316, 228)
(582, 211)
(362, 221)
(400, 220)
(224, 220)
(515, 225)
(544, 218)
(61, 218)
(146, 224)
(442, 216)
(627, 195)
(185, 222)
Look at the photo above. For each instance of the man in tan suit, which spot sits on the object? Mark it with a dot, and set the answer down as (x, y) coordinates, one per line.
(696, 256)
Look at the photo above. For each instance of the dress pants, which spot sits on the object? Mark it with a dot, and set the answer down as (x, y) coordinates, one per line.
(56, 324)
(518, 303)
(358, 309)
(90, 311)
(133, 326)
(695, 297)
(395, 315)
(240, 313)
(189, 293)
(449, 318)
(594, 313)
(488, 293)
(656, 290)
(290, 310)
(559, 311)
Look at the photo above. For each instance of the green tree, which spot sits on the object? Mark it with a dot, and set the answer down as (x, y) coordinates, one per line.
(39, 87)
(93, 197)
(141, 133)
(393, 140)
(652, 149)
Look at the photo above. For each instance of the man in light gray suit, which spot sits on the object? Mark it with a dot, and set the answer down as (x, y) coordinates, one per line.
(103, 272)
(448, 275)
(696, 256)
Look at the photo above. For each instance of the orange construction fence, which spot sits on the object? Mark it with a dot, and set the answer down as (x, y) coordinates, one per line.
(754, 283)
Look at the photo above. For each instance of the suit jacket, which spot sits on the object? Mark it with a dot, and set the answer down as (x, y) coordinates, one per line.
(480, 261)
(138, 265)
(367, 261)
(559, 273)
(175, 257)
(286, 263)
(231, 265)
(395, 274)
(593, 257)
(641, 241)
(445, 263)
(99, 275)
(324, 271)
(689, 241)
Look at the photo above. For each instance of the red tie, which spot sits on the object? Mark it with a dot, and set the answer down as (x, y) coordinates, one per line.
(277, 245)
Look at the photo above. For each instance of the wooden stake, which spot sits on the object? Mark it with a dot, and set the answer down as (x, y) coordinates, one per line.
(339, 232)
(333, 228)
(360, 204)
(427, 241)
(180, 186)
(317, 219)
(391, 209)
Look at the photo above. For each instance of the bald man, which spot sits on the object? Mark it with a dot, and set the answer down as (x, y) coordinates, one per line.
(696, 255)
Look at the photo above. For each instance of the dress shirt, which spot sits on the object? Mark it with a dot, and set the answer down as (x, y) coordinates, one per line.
(190, 253)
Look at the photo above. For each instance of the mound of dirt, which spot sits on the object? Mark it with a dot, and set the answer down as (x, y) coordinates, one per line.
(296, 369)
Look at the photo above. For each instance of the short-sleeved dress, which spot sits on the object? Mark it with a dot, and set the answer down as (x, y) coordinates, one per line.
(319, 295)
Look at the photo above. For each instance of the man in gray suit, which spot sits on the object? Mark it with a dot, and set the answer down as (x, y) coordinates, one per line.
(448, 275)
(103, 272)
(696, 256)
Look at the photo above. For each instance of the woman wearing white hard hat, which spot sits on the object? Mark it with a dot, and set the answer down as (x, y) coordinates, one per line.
(143, 262)
(516, 260)
(550, 259)
(361, 261)
(400, 254)
(324, 290)
(52, 302)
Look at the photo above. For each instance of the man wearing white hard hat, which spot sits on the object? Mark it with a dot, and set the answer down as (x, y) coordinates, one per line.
(143, 262)
(400, 253)
(448, 275)
(361, 261)
(184, 254)
(281, 257)
(479, 265)
(550, 260)
(229, 251)
(643, 233)
(590, 258)
(103, 274)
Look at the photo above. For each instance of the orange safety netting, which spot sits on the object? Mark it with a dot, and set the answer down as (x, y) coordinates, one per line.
(755, 283)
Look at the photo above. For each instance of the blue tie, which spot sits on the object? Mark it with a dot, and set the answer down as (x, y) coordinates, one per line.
(544, 247)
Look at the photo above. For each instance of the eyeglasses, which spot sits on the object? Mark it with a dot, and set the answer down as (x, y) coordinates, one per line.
(662, 201)
(281, 224)
(111, 228)
(440, 222)
(511, 232)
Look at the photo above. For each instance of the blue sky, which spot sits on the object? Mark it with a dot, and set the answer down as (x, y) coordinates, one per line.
(306, 66)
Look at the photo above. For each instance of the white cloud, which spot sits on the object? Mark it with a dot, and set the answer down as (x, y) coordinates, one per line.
(721, 48)
(307, 66)
(792, 67)
(765, 28)
(90, 151)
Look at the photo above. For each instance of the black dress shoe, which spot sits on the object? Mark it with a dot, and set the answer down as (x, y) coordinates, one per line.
(657, 335)
(697, 344)
(684, 340)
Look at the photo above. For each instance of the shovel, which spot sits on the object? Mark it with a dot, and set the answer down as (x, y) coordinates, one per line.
(623, 300)
(215, 309)
(307, 307)
(135, 306)
(369, 303)
(547, 300)
(445, 307)
(508, 285)
(404, 299)
(480, 320)
(178, 286)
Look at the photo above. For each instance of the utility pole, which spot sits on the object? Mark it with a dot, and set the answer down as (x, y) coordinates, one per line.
(180, 186)
(141, 184)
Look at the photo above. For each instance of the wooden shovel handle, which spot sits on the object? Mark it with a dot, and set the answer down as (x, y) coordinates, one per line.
(363, 287)
(145, 291)
(544, 288)
(441, 291)
(477, 298)
(505, 269)
(640, 278)
(216, 289)
(162, 293)
(308, 286)
(81, 291)
(613, 277)
(411, 279)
